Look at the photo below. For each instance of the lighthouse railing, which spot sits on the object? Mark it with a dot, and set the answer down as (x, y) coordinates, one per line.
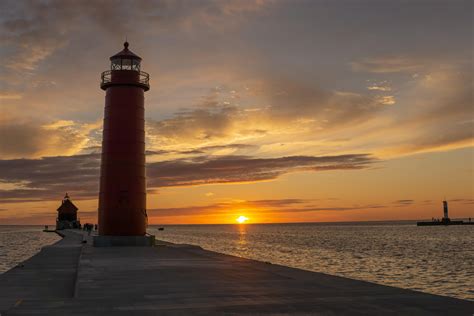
(106, 77)
(143, 78)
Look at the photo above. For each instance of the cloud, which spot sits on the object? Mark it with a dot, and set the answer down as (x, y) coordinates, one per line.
(429, 112)
(196, 124)
(35, 30)
(462, 201)
(30, 138)
(435, 112)
(404, 202)
(235, 169)
(256, 207)
(10, 96)
(288, 107)
(213, 150)
(228, 146)
(295, 100)
(376, 87)
(48, 177)
(386, 99)
(387, 64)
(32, 31)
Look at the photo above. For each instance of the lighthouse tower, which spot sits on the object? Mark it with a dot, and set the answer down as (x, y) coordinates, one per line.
(445, 211)
(122, 199)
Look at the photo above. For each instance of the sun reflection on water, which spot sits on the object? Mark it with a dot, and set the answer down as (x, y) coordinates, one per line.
(242, 240)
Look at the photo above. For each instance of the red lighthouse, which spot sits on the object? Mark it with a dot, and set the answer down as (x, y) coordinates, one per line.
(122, 200)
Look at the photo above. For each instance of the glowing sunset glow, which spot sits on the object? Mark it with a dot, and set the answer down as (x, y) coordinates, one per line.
(242, 219)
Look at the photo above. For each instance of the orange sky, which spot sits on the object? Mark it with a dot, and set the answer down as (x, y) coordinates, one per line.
(274, 110)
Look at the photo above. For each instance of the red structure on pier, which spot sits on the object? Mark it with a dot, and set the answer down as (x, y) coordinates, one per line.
(122, 200)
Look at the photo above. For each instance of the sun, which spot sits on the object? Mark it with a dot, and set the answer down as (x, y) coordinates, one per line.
(241, 219)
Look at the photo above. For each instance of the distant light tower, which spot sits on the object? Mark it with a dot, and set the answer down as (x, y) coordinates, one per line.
(445, 208)
(122, 199)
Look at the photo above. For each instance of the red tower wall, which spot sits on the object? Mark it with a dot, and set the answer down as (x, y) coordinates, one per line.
(122, 200)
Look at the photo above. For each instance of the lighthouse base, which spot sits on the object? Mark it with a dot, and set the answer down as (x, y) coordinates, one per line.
(124, 241)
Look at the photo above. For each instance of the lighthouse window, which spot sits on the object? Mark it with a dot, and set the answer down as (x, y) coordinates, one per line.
(126, 64)
(135, 64)
(116, 64)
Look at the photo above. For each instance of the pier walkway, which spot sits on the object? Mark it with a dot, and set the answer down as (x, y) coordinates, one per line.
(72, 278)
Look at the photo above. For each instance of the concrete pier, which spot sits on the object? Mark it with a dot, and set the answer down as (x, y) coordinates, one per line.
(73, 278)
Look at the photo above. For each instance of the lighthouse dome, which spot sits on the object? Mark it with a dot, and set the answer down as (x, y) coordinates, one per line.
(125, 60)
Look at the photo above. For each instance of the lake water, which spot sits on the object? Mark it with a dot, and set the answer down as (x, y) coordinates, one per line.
(437, 260)
(18, 243)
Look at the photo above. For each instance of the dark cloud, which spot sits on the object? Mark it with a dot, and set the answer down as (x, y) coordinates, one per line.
(94, 150)
(210, 149)
(49, 177)
(463, 201)
(214, 148)
(403, 202)
(228, 169)
(157, 152)
(228, 146)
(257, 206)
(201, 150)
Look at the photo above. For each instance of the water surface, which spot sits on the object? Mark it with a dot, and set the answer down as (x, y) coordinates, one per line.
(18, 243)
